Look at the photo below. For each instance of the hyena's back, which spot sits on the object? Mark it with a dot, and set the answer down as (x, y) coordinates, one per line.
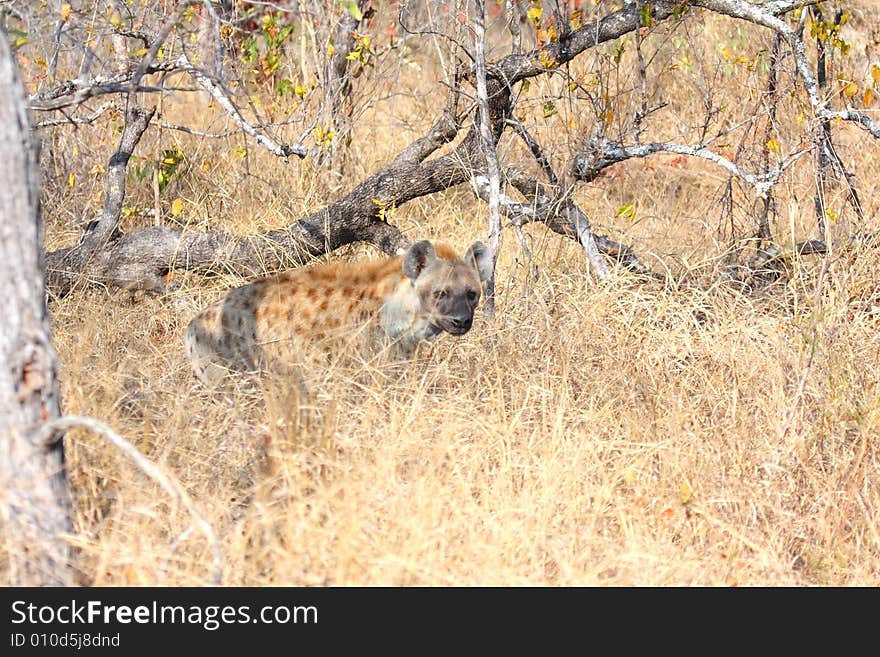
(270, 322)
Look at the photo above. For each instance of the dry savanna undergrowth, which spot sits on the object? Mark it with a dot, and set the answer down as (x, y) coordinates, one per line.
(678, 432)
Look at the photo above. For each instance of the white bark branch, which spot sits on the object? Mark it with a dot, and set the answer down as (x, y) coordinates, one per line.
(487, 140)
(523, 213)
(217, 92)
(767, 15)
(603, 153)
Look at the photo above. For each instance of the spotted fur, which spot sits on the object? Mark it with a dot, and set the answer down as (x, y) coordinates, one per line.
(390, 303)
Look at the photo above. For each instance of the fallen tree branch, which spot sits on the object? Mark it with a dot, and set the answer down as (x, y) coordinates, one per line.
(772, 261)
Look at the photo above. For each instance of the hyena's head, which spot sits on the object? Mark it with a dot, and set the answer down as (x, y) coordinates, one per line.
(448, 287)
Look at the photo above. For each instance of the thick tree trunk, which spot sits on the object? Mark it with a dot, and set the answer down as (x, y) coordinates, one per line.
(34, 497)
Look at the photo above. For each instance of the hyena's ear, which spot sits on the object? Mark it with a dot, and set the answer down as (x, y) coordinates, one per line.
(417, 258)
(480, 257)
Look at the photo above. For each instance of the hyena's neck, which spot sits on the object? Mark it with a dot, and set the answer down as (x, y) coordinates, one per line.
(402, 318)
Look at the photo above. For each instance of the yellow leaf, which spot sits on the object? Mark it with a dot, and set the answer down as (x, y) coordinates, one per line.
(851, 90)
(65, 12)
(240, 152)
(831, 214)
(176, 207)
(331, 50)
(773, 145)
(627, 212)
(686, 492)
(97, 169)
(71, 179)
(547, 60)
(868, 97)
(875, 73)
(139, 53)
(534, 14)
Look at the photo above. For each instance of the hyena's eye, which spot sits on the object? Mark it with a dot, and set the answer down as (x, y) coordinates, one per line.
(472, 295)
(440, 294)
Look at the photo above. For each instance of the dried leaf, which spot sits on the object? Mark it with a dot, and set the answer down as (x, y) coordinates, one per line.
(686, 492)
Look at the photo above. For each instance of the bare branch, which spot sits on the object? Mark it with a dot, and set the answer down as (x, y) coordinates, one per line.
(165, 30)
(197, 133)
(136, 121)
(567, 219)
(442, 132)
(278, 148)
(337, 80)
(602, 153)
(52, 431)
(535, 150)
(75, 120)
(860, 118)
(75, 92)
(487, 146)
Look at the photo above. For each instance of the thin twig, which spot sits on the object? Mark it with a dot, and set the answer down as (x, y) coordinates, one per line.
(52, 431)
(75, 120)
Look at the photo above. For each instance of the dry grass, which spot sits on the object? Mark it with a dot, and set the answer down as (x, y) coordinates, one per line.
(615, 434)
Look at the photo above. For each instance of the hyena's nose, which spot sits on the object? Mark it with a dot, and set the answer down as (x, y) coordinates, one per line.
(462, 323)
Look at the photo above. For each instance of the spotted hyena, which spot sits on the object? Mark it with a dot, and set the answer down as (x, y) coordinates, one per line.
(395, 302)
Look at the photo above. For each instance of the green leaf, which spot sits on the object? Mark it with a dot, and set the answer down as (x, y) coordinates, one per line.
(284, 87)
(627, 212)
(549, 109)
(352, 8)
(647, 18)
(19, 38)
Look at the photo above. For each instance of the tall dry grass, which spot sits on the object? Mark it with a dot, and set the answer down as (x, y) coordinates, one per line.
(624, 433)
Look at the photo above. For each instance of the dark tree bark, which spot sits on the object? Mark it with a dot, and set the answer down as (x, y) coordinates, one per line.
(35, 498)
